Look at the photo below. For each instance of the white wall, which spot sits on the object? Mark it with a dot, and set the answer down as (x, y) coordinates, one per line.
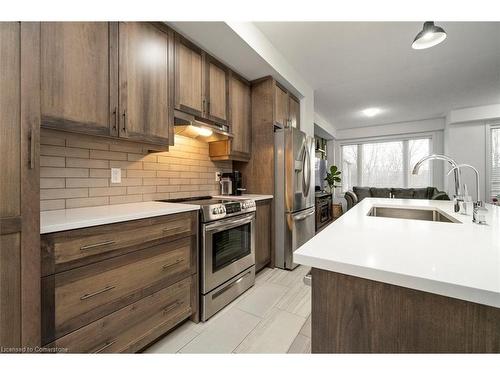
(466, 139)
(466, 143)
(258, 42)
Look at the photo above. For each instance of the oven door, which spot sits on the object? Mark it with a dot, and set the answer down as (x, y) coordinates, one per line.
(228, 248)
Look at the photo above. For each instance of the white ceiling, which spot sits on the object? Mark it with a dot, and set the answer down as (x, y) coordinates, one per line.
(355, 65)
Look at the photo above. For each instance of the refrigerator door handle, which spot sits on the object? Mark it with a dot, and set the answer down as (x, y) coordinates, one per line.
(303, 216)
(306, 175)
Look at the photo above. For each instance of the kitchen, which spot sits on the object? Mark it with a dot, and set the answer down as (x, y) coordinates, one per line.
(165, 193)
(120, 193)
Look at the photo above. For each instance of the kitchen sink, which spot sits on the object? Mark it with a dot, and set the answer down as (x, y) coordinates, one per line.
(427, 214)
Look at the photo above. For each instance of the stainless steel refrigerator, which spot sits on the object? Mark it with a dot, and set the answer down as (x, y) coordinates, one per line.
(294, 193)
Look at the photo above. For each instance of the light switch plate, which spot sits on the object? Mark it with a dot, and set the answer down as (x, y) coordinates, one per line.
(116, 175)
(218, 176)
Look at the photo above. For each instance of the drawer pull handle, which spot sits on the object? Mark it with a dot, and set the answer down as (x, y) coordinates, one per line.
(171, 307)
(86, 296)
(94, 245)
(167, 266)
(105, 346)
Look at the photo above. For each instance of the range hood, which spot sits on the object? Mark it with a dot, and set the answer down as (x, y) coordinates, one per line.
(189, 126)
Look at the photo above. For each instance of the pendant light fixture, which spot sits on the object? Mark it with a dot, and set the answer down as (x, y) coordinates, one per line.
(430, 36)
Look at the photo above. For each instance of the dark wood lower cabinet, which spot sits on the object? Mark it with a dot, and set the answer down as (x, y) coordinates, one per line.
(355, 315)
(263, 240)
(129, 285)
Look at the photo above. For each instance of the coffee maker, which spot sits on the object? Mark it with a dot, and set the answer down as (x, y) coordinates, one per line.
(231, 183)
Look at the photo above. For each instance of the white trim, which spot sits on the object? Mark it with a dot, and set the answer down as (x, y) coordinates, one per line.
(488, 128)
(400, 137)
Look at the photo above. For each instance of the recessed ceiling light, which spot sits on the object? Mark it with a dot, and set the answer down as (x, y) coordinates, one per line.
(370, 112)
(430, 36)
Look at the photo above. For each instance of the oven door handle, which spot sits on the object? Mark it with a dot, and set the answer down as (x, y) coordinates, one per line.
(217, 227)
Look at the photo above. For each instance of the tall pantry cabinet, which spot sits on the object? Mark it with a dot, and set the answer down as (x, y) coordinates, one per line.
(19, 185)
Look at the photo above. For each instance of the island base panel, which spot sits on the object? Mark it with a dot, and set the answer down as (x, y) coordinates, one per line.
(356, 315)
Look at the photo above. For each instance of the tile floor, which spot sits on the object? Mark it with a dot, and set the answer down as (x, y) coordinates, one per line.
(271, 317)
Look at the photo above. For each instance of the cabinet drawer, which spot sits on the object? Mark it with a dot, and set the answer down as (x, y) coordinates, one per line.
(75, 298)
(66, 250)
(134, 326)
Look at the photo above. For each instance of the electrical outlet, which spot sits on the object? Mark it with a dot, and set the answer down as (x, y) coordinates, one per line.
(218, 176)
(116, 175)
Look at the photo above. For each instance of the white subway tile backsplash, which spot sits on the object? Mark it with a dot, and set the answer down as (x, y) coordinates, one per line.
(75, 171)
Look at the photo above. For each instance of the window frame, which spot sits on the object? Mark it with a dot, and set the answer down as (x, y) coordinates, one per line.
(403, 138)
(489, 128)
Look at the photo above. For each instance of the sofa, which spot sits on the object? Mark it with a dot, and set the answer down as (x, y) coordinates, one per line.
(359, 193)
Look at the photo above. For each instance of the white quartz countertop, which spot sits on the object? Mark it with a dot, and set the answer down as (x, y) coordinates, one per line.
(74, 218)
(255, 197)
(459, 260)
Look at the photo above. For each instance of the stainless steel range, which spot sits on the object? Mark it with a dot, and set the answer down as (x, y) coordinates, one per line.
(227, 243)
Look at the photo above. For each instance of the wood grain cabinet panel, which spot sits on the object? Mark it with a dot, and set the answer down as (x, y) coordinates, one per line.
(62, 251)
(145, 94)
(217, 91)
(75, 298)
(133, 326)
(78, 77)
(19, 185)
(189, 77)
(280, 106)
(263, 241)
(239, 147)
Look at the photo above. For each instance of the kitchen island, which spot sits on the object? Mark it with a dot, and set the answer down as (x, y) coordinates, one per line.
(387, 285)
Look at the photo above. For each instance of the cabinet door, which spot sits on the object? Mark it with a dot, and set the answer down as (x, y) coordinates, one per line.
(263, 234)
(294, 112)
(241, 126)
(19, 184)
(217, 91)
(280, 107)
(189, 82)
(78, 77)
(146, 106)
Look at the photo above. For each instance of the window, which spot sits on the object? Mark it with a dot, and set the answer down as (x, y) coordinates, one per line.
(349, 166)
(494, 162)
(386, 163)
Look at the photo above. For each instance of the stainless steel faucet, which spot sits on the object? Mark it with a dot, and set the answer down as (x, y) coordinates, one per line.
(458, 198)
(479, 210)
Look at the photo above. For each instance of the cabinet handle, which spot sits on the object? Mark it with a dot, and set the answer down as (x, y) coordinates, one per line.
(115, 119)
(208, 107)
(104, 243)
(89, 295)
(105, 346)
(32, 147)
(167, 266)
(204, 106)
(124, 127)
(172, 306)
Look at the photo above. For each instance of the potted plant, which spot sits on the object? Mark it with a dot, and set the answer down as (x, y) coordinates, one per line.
(333, 177)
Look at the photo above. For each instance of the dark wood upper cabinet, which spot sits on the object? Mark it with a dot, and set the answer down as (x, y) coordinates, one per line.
(240, 108)
(280, 106)
(109, 79)
(217, 91)
(145, 94)
(294, 111)
(78, 76)
(189, 77)
(286, 108)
